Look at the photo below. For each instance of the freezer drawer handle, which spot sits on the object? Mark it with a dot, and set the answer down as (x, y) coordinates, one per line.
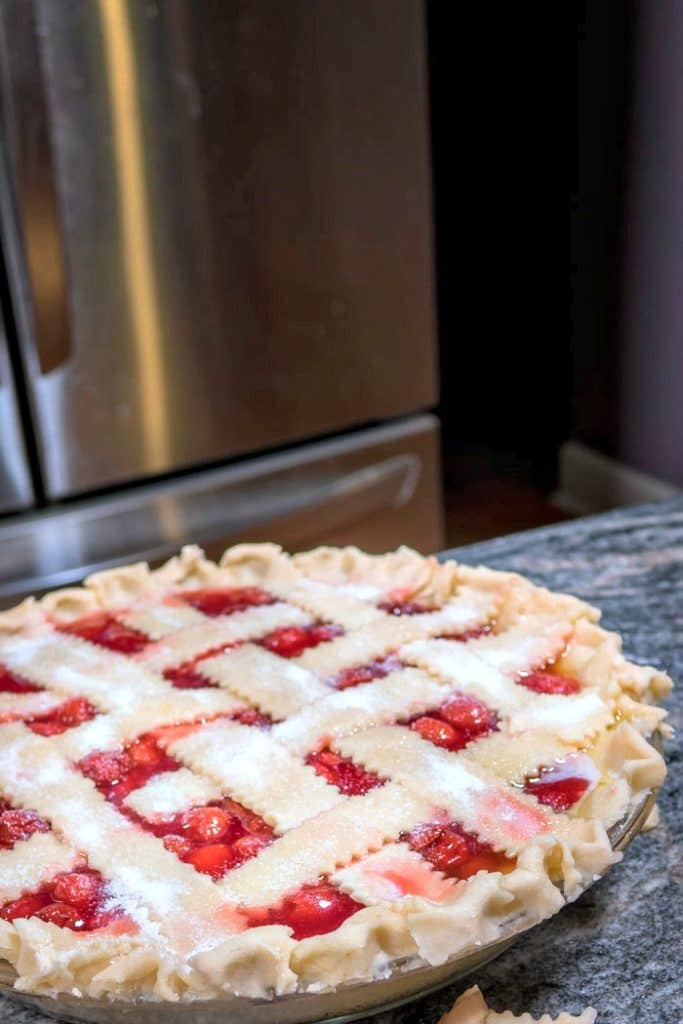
(120, 530)
(348, 499)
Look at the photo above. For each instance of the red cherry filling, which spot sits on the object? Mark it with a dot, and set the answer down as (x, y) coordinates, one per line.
(214, 838)
(455, 852)
(290, 641)
(250, 716)
(104, 629)
(341, 772)
(226, 601)
(548, 682)
(116, 773)
(73, 712)
(456, 723)
(376, 669)
(187, 676)
(560, 794)
(11, 683)
(311, 910)
(17, 825)
(405, 607)
(73, 899)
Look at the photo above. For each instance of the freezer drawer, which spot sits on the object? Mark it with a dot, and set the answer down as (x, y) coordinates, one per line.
(376, 488)
(16, 490)
(221, 229)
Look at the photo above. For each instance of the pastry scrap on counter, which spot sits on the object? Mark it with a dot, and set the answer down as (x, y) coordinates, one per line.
(471, 1008)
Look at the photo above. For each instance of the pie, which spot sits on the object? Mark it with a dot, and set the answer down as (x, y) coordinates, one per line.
(471, 1008)
(280, 774)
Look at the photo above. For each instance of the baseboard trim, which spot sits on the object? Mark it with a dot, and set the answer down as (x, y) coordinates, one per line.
(589, 481)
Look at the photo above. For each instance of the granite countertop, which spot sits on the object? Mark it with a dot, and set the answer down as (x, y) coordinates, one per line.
(618, 947)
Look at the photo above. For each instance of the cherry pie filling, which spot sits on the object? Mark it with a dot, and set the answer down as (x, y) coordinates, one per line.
(454, 724)
(455, 852)
(291, 641)
(564, 783)
(550, 678)
(76, 899)
(188, 677)
(358, 674)
(17, 825)
(214, 837)
(226, 600)
(313, 909)
(342, 772)
(116, 773)
(105, 630)
(10, 682)
(65, 716)
(561, 794)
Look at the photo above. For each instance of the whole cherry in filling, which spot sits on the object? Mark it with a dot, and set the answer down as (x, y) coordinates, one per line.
(214, 838)
(291, 641)
(106, 630)
(454, 724)
(455, 852)
(342, 772)
(75, 899)
(312, 910)
(226, 600)
(17, 825)
(116, 773)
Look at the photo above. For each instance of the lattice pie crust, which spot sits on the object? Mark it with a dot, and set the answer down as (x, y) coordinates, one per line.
(550, 753)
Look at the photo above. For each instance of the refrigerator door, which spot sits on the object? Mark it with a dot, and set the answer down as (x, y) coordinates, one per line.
(16, 490)
(377, 488)
(221, 228)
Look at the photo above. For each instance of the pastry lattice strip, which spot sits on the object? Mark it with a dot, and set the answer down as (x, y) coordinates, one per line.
(75, 668)
(187, 643)
(259, 772)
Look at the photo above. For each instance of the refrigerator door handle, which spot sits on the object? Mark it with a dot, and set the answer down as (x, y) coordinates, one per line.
(33, 226)
(16, 490)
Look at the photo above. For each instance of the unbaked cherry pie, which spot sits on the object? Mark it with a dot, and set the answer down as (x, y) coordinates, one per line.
(285, 773)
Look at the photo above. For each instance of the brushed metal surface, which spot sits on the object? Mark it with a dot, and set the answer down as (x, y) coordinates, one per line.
(16, 489)
(221, 222)
(377, 488)
(347, 1003)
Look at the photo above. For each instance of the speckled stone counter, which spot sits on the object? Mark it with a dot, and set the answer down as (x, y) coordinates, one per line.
(619, 947)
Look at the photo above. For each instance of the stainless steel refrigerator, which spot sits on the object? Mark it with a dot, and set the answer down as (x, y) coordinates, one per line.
(218, 294)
